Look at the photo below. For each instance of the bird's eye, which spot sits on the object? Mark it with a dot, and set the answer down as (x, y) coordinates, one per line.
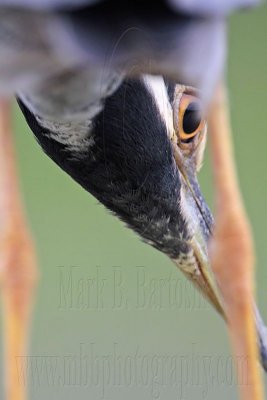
(190, 120)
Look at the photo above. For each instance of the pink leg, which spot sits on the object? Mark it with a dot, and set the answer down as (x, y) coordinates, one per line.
(18, 273)
(232, 252)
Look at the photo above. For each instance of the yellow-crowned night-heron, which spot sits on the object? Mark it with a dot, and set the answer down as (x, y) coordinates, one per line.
(89, 80)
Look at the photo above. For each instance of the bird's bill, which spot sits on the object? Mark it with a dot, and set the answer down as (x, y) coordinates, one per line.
(201, 275)
(199, 221)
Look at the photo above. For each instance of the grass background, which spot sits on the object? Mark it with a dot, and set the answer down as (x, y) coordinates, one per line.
(157, 342)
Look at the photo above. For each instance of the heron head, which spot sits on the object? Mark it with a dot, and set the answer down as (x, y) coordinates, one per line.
(140, 156)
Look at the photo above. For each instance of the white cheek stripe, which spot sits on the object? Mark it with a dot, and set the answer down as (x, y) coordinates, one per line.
(73, 133)
(157, 88)
(75, 136)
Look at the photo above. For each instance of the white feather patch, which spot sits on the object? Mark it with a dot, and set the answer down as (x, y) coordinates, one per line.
(157, 88)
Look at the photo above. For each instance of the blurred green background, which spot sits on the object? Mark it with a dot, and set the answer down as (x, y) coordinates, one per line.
(113, 318)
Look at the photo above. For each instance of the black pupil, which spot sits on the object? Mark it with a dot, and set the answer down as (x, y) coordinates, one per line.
(192, 117)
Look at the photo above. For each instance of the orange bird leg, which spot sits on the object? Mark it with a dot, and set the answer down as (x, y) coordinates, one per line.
(17, 262)
(232, 253)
